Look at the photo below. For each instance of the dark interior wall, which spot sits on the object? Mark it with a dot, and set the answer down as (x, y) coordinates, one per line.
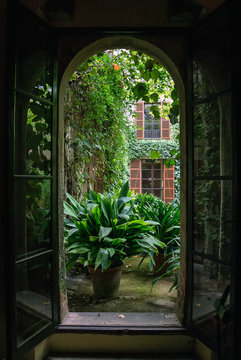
(174, 46)
(3, 192)
(135, 13)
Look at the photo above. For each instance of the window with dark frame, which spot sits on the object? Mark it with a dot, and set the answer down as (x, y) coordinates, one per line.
(152, 126)
(152, 177)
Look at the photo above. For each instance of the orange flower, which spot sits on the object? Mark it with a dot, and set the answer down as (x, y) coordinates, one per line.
(116, 67)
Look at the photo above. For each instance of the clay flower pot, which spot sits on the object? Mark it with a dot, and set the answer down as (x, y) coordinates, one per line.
(159, 261)
(106, 284)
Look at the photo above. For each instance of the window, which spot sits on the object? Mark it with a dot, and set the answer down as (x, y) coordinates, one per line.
(147, 127)
(152, 177)
(152, 126)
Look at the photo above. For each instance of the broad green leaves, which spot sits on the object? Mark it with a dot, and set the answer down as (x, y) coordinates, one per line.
(104, 231)
(140, 90)
(108, 231)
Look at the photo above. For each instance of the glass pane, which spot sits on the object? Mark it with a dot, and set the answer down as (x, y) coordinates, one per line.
(146, 183)
(206, 139)
(202, 82)
(212, 138)
(157, 174)
(157, 165)
(208, 289)
(213, 220)
(33, 296)
(211, 67)
(146, 174)
(157, 193)
(156, 126)
(34, 66)
(157, 183)
(33, 137)
(33, 221)
(146, 164)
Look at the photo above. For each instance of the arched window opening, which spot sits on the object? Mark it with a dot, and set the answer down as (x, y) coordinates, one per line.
(122, 172)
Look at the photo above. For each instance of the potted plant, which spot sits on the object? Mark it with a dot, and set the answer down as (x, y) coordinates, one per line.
(101, 231)
(167, 228)
(171, 263)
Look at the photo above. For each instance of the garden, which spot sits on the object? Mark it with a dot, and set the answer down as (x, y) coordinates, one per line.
(122, 249)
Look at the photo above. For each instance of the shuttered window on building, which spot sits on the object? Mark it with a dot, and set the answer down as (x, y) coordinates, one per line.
(147, 127)
(152, 126)
(152, 177)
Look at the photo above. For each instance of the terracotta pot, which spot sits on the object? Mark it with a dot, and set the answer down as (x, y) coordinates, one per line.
(106, 284)
(159, 260)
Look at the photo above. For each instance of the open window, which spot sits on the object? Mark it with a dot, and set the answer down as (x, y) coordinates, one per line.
(212, 189)
(32, 246)
(33, 301)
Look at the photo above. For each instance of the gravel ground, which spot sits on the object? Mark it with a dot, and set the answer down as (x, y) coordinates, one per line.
(135, 294)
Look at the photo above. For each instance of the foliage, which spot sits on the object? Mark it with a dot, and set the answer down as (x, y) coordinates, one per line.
(166, 216)
(98, 103)
(97, 124)
(103, 230)
(172, 262)
(167, 230)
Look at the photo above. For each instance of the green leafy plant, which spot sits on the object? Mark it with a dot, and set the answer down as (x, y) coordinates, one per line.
(102, 230)
(172, 262)
(167, 230)
(166, 216)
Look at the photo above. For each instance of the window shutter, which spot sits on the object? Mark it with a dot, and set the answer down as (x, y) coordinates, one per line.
(169, 185)
(135, 175)
(165, 129)
(139, 108)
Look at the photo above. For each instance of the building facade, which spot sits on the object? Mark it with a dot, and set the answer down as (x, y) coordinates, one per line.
(147, 175)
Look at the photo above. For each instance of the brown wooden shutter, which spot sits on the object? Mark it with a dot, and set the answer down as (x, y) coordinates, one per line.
(135, 175)
(165, 129)
(139, 108)
(169, 185)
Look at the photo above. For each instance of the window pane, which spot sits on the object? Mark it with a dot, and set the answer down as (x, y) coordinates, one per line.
(146, 164)
(212, 137)
(152, 126)
(157, 165)
(33, 216)
(212, 220)
(206, 139)
(34, 70)
(202, 83)
(157, 174)
(33, 137)
(33, 296)
(207, 290)
(146, 174)
(157, 193)
(157, 183)
(146, 183)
